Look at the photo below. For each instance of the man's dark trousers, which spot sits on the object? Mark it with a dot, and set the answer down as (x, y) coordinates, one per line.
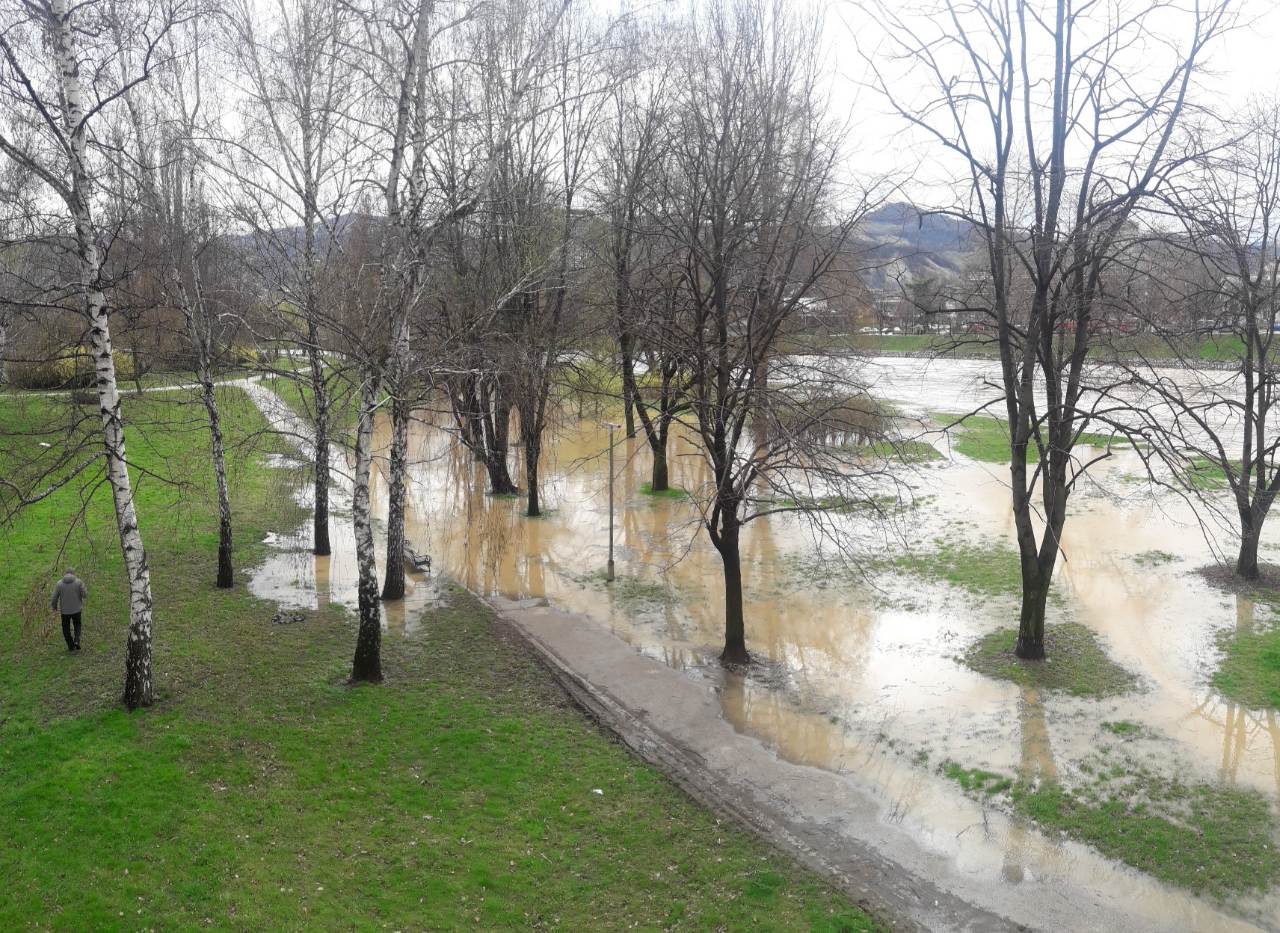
(66, 629)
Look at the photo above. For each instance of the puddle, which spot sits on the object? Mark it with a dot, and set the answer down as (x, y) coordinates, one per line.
(869, 686)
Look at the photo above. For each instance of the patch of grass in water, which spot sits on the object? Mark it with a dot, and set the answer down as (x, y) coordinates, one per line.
(904, 451)
(672, 492)
(1250, 669)
(1075, 662)
(984, 570)
(985, 438)
(1154, 558)
(1203, 473)
(1212, 839)
(1122, 727)
(630, 589)
(975, 780)
(1209, 838)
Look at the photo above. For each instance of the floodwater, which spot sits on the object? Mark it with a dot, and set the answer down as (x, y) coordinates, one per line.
(861, 676)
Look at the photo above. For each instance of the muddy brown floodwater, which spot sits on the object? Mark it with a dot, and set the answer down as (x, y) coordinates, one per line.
(862, 677)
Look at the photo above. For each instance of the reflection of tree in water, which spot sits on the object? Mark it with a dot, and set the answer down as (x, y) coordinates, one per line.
(473, 530)
(322, 579)
(1240, 727)
(796, 735)
(1035, 768)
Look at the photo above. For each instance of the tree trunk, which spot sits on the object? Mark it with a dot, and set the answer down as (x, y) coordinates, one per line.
(532, 453)
(225, 573)
(497, 441)
(1247, 561)
(138, 689)
(659, 481)
(366, 666)
(735, 639)
(393, 581)
(1035, 595)
(4, 342)
(319, 393)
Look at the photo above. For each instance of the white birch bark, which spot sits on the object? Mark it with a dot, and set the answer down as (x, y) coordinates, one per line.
(138, 690)
(366, 667)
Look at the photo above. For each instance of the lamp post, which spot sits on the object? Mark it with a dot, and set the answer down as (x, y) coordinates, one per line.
(608, 574)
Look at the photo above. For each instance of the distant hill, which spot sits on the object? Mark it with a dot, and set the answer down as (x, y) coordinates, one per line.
(897, 238)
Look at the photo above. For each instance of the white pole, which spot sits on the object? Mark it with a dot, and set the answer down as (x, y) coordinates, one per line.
(609, 571)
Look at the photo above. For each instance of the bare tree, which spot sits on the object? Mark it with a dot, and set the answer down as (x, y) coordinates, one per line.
(572, 115)
(1059, 116)
(60, 80)
(412, 48)
(645, 293)
(748, 199)
(177, 230)
(294, 169)
(1212, 425)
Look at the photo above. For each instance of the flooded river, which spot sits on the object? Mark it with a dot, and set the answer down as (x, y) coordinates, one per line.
(862, 675)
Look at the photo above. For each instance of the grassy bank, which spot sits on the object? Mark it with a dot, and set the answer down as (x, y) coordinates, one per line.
(262, 793)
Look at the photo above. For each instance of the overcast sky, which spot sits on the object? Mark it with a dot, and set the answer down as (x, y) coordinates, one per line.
(1244, 62)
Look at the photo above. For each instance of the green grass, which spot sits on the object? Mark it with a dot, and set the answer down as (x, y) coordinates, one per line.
(986, 438)
(344, 406)
(986, 570)
(263, 793)
(671, 492)
(1122, 728)
(1250, 669)
(1075, 662)
(1153, 558)
(975, 780)
(1220, 348)
(1212, 839)
(636, 591)
(904, 451)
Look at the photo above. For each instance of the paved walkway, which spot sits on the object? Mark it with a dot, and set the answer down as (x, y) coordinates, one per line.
(823, 818)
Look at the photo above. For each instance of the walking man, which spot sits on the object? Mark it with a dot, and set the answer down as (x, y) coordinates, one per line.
(68, 598)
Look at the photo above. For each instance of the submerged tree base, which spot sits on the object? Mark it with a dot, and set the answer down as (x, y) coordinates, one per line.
(1075, 662)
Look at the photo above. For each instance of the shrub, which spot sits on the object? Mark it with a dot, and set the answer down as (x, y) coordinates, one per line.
(245, 356)
(69, 369)
(839, 419)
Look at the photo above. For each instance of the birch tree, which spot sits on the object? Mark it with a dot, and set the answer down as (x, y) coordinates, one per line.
(60, 79)
(413, 50)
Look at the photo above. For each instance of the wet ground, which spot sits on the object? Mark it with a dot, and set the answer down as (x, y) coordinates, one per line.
(862, 677)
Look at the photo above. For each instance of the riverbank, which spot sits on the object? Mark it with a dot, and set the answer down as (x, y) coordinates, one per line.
(263, 793)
